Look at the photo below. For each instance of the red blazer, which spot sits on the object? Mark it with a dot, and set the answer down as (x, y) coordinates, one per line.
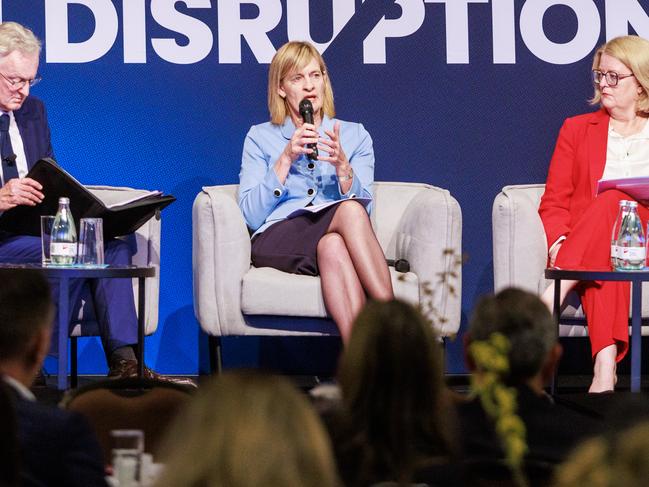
(577, 164)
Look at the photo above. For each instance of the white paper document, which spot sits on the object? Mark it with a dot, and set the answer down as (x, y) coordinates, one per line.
(324, 206)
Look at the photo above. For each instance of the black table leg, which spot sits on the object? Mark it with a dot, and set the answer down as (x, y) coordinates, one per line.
(556, 313)
(636, 337)
(64, 325)
(140, 327)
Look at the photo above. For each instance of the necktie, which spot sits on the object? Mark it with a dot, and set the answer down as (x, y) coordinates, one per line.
(9, 169)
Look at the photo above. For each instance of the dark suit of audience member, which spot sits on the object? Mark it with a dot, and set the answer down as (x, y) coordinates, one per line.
(552, 430)
(55, 447)
(9, 461)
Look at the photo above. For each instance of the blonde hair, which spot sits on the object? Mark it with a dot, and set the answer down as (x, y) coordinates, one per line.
(244, 429)
(15, 37)
(633, 52)
(294, 56)
(609, 461)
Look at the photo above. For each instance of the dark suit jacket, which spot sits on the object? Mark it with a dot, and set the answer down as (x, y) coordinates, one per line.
(552, 429)
(31, 119)
(57, 447)
(577, 163)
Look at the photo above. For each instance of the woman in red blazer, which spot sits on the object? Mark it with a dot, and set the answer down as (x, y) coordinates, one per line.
(612, 142)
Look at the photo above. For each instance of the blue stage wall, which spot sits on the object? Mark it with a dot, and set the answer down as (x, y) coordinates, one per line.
(467, 95)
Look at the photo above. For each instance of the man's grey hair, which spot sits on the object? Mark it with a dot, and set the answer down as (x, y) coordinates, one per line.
(525, 320)
(15, 37)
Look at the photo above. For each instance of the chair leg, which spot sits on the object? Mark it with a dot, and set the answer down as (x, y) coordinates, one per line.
(73, 362)
(216, 364)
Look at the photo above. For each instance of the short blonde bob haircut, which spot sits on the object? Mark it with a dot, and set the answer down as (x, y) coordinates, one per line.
(245, 429)
(15, 37)
(291, 57)
(633, 52)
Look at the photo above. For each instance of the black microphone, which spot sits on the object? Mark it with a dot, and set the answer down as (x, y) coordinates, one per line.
(306, 112)
(10, 159)
(400, 265)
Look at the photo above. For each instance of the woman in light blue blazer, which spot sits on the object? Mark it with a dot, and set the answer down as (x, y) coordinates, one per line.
(290, 166)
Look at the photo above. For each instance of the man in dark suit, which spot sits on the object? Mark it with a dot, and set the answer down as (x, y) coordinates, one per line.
(24, 139)
(534, 352)
(56, 447)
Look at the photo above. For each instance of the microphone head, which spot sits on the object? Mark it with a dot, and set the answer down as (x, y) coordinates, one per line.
(306, 107)
(10, 159)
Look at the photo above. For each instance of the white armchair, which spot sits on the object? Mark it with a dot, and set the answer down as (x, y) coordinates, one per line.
(415, 222)
(520, 252)
(146, 252)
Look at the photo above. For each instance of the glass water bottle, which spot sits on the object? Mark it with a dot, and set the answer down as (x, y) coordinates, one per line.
(631, 241)
(63, 242)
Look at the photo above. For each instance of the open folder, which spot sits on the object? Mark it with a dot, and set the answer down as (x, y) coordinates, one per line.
(637, 188)
(121, 216)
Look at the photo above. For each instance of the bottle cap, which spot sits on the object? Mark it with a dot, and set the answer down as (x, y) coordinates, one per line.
(64, 200)
(633, 204)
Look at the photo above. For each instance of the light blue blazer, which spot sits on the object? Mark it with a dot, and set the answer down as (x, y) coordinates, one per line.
(264, 200)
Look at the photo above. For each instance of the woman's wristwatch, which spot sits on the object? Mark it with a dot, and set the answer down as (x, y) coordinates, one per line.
(347, 177)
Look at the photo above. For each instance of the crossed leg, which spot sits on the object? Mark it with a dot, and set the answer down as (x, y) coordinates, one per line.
(352, 265)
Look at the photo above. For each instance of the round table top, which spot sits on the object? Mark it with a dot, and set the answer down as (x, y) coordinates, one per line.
(112, 271)
(604, 274)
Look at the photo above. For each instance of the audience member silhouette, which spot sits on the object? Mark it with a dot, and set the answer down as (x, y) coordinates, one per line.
(56, 447)
(247, 429)
(395, 423)
(551, 429)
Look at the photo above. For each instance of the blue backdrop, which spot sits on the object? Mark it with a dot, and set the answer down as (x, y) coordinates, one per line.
(467, 95)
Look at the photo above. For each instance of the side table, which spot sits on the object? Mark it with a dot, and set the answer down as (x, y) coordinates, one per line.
(636, 278)
(64, 274)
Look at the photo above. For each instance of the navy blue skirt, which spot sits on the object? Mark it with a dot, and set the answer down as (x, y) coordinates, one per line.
(291, 245)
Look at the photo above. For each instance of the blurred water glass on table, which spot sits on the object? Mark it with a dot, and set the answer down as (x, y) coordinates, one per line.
(127, 447)
(46, 233)
(91, 243)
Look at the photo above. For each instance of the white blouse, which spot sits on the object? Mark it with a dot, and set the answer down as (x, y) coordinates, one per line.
(627, 157)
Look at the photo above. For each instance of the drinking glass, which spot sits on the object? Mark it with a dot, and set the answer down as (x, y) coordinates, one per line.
(47, 221)
(127, 447)
(91, 243)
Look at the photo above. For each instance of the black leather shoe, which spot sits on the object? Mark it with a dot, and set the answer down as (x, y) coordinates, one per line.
(126, 369)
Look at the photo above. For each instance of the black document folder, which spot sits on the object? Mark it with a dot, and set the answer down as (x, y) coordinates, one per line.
(120, 218)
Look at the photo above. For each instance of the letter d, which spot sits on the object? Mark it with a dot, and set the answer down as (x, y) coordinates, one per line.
(60, 50)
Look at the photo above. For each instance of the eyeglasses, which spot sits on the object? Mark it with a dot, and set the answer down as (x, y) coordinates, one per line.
(19, 84)
(612, 78)
(314, 77)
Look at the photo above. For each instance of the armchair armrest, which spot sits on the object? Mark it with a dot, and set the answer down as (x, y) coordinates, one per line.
(519, 245)
(220, 258)
(429, 236)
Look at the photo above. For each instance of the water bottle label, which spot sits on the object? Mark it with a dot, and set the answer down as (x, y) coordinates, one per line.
(632, 253)
(615, 251)
(64, 249)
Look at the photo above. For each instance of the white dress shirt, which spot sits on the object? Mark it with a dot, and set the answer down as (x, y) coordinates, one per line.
(17, 146)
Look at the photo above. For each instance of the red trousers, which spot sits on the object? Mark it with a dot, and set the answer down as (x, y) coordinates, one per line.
(588, 246)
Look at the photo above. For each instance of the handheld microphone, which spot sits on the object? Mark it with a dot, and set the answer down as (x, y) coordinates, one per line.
(306, 112)
(10, 159)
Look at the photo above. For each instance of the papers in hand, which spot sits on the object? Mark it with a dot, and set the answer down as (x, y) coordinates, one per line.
(637, 188)
(324, 206)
